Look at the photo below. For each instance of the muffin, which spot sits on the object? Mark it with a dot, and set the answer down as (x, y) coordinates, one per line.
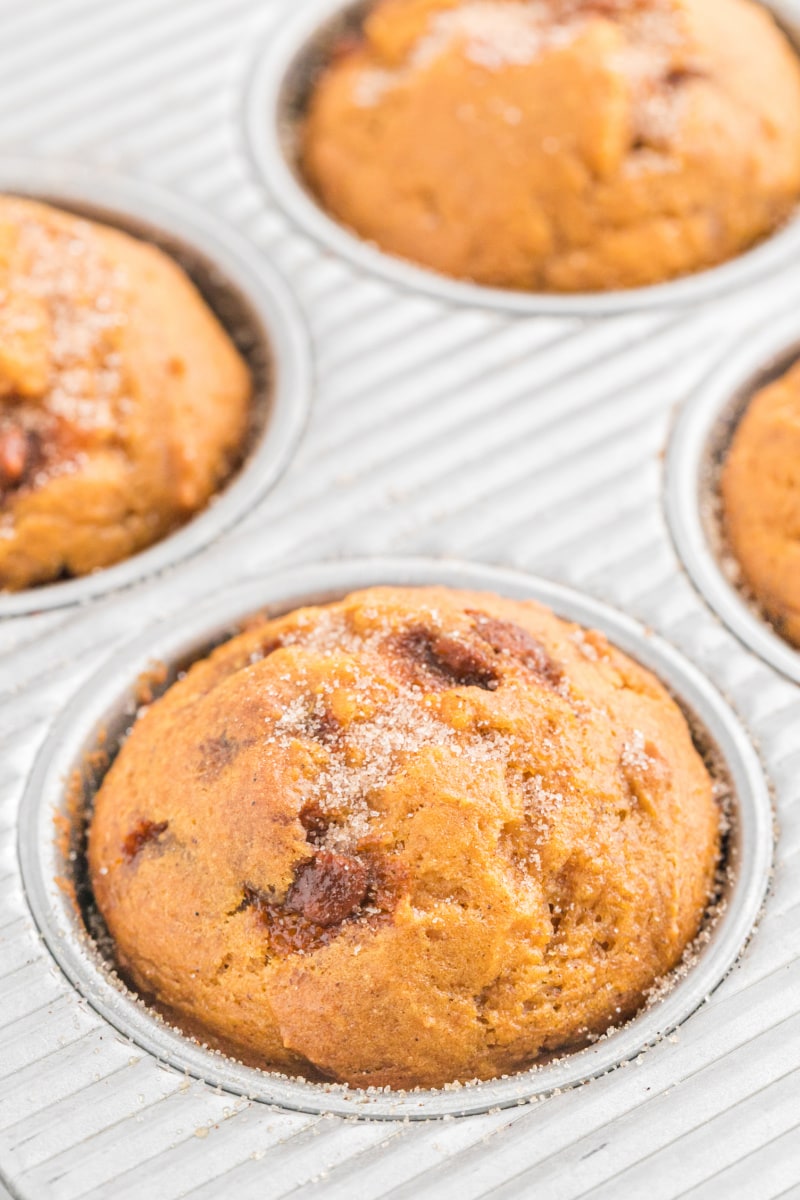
(761, 501)
(413, 837)
(559, 145)
(123, 403)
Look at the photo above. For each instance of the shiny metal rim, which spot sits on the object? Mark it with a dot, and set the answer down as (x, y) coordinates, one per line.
(699, 440)
(269, 129)
(136, 206)
(107, 702)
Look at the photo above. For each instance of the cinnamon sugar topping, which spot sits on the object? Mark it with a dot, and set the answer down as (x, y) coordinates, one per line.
(60, 372)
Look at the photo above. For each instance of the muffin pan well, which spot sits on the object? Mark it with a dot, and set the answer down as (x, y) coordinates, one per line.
(285, 68)
(698, 446)
(66, 775)
(252, 303)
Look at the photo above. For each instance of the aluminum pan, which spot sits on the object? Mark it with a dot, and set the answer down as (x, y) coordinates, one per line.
(107, 702)
(224, 265)
(699, 441)
(435, 430)
(283, 68)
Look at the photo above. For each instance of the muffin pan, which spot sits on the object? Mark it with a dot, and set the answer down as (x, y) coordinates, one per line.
(283, 74)
(106, 706)
(438, 428)
(252, 303)
(697, 450)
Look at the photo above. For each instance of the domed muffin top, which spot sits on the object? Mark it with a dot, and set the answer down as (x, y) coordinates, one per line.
(123, 403)
(559, 145)
(411, 837)
(761, 500)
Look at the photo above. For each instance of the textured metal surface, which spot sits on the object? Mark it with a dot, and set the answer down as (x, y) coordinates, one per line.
(436, 430)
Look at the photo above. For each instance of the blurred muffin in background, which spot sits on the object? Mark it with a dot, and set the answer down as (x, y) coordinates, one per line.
(416, 836)
(761, 501)
(123, 402)
(559, 145)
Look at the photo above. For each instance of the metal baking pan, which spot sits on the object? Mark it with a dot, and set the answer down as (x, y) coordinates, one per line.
(447, 421)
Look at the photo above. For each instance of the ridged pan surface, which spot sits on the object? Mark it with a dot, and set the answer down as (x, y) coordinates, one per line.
(438, 429)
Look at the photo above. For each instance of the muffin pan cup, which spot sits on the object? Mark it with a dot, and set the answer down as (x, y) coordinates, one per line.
(282, 75)
(253, 304)
(106, 707)
(698, 446)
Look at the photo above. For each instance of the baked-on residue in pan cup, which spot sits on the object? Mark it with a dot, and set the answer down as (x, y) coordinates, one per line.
(713, 450)
(446, 676)
(437, 143)
(144, 369)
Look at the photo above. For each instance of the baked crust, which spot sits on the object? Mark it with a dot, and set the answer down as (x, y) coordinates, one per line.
(761, 500)
(559, 145)
(416, 836)
(123, 402)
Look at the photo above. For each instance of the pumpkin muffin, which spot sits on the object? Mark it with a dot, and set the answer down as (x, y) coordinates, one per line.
(123, 403)
(416, 836)
(761, 501)
(559, 145)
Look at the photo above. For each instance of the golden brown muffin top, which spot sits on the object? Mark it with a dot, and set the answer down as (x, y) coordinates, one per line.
(60, 322)
(761, 500)
(559, 145)
(415, 836)
(123, 403)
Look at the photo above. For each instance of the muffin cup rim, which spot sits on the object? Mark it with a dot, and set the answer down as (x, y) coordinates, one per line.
(708, 419)
(110, 690)
(125, 201)
(263, 120)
